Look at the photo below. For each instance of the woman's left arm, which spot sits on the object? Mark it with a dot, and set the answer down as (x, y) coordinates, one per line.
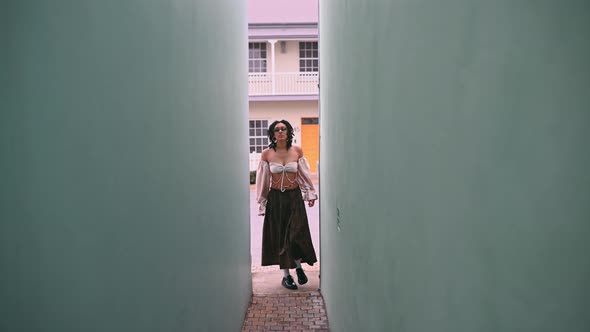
(304, 180)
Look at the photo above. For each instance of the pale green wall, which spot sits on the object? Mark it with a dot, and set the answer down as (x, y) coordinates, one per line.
(123, 182)
(455, 144)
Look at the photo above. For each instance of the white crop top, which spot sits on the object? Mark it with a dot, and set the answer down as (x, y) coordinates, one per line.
(279, 168)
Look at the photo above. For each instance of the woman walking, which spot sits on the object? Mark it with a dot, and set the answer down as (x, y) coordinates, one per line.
(283, 183)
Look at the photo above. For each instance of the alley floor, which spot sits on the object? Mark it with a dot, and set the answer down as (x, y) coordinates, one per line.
(275, 308)
(299, 311)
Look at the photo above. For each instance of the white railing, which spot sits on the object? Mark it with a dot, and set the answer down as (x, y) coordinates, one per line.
(268, 84)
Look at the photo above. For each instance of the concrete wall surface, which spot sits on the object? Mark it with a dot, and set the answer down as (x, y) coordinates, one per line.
(124, 193)
(455, 165)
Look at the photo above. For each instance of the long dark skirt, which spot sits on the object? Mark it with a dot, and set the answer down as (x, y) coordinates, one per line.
(285, 234)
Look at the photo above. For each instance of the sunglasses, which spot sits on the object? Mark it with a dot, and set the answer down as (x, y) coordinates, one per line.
(277, 129)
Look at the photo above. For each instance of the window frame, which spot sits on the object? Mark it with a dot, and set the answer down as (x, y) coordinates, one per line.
(257, 57)
(262, 136)
(308, 57)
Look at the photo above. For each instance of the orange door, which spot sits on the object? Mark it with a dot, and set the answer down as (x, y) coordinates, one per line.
(310, 141)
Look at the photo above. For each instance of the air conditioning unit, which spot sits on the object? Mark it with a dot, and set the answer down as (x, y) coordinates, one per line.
(283, 47)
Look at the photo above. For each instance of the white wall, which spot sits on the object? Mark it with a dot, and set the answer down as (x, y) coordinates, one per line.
(111, 217)
(455, 165)
(291, 111)
(288, 62)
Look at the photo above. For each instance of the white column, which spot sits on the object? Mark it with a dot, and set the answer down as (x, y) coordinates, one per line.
(272, 62)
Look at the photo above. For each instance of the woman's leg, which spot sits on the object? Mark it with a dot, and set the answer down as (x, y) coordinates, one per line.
(288, 281)
(301, 277)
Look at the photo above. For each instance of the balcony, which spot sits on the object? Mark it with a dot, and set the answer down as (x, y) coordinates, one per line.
(283, 84)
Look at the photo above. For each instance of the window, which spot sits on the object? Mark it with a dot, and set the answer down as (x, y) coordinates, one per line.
(308, 121)
(257, 57)
(308, 56)
(258, 137)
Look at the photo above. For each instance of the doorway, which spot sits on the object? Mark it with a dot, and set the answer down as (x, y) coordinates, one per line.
(310, 141)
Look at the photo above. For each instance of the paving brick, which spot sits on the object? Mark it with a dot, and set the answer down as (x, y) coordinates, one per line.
(303, 311)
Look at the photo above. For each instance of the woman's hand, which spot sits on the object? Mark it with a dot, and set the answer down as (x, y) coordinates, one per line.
(311, 202)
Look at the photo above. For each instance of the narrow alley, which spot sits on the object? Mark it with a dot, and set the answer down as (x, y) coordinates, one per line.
(452, 147)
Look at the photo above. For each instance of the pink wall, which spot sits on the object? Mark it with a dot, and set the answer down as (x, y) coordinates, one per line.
(282, 11)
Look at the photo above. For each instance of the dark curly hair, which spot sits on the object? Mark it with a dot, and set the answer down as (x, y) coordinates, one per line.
(271, 134)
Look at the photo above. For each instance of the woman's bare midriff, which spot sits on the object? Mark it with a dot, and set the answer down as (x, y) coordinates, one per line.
(276, 181)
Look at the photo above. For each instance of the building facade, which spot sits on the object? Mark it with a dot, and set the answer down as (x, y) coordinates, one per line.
(283, 61)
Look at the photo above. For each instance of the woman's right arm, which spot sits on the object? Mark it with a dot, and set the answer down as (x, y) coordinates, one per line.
(262, 183)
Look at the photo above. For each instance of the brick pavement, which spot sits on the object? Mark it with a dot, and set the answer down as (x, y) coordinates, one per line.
(286, 312)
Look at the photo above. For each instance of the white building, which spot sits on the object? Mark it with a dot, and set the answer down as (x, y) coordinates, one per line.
(283, 72)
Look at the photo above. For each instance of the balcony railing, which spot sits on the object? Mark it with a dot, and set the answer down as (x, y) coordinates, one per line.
(277, 84)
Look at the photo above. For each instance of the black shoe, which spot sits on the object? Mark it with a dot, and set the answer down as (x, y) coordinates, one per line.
(289, 283)
(301, 277)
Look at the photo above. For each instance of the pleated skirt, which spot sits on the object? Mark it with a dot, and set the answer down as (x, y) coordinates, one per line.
(285, 233)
